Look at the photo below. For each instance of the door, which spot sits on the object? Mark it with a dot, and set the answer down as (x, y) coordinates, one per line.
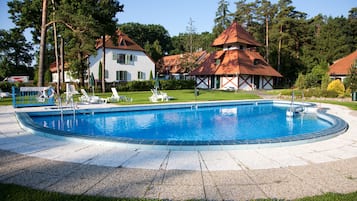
(257, 81)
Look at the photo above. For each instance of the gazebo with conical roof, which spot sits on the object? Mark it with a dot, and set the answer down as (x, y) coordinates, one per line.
(237, 65)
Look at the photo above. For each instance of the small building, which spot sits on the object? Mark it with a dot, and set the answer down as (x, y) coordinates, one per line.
(237, 65)
(180, 65)
(124, 60)
(67, 75)
(340, 69)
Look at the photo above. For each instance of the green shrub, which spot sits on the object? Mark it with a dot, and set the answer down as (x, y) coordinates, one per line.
(147, 85)
(336, 86)
(301, 81)
(5, 86)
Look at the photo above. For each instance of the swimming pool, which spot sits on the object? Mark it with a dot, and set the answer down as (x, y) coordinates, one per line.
(198, 124)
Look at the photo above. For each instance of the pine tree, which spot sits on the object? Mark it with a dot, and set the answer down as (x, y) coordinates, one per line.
(223, 18)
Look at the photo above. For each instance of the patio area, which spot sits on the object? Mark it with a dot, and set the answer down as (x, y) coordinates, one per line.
(97, 168)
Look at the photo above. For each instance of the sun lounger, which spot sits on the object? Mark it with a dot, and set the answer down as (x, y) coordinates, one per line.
(4, 94)
(158, 95)
(117, 98)
(85, 98)
(70, 91)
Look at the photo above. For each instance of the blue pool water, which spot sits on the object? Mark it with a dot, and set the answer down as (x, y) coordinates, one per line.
(230, 123)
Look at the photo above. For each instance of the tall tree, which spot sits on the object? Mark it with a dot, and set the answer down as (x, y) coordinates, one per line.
(287, 31)
(245, 14)
(104, 14)
(142, 34)
(82, 23)
(191, 31)
(352, 30)
(223, 17)
(265, 14)
(42, 44)
(15, 54)
(154, 50)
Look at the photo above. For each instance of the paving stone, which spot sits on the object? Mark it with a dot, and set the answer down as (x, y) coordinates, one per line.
(147, 159)
(244, 157)
(184, 177)
(119, 180)
(288, 190)
(81, 180)
(218, 160)
(241, 192)
(16, 164)
(177, 192)
(230, 178)
(184, 160)
(113, 158)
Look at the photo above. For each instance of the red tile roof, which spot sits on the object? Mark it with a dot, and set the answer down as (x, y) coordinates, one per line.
(343, 65)
(53, 67)
(174, 62)
(235, 34)
(232, 62)
(123, 42)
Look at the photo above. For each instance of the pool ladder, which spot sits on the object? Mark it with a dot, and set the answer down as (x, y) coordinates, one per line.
(72, 106)
(194, 107)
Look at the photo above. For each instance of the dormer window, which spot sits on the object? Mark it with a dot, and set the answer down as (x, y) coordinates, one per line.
(256, 61)
(218, 62)
(122, 43)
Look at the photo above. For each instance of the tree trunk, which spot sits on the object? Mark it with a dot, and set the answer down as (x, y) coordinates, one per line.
(42, 44)
(267, 39)
(103, 65)
(56, 58)
(80, 63)
(279, 48)
(62, 59)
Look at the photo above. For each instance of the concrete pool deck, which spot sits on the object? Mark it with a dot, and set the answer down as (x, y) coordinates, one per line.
(105, 169)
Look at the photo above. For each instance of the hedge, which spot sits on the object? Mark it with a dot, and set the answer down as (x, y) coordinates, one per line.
(147, 85)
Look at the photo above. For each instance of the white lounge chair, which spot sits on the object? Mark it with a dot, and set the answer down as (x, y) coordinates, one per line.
(158, 95)
(85, 98)
(4, 94)
(70, 91)
(116, 98)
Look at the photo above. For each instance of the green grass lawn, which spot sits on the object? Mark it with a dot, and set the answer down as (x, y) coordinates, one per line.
(6, 101)
(186, 95)
(11, 192)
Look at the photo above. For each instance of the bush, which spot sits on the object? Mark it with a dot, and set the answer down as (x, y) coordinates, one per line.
(147, 85)
(5, 86)
(336, 86)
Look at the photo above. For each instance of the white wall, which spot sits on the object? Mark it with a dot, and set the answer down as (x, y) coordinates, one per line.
(203, 82)
(67, 77)
(142, 63)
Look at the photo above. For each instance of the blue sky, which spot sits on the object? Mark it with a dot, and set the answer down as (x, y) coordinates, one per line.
(174, 15)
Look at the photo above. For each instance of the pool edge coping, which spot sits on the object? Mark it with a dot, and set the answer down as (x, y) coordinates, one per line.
(340, 126)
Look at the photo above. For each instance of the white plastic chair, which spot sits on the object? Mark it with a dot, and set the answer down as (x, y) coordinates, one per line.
(116, 97)
(85, 98)
(157, 95)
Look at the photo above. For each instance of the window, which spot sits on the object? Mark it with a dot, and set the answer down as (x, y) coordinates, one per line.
(122, 43)
(122, 76)
(141, 75)
(125, 58)
(121, 59)
(218, 62)
(106, 74)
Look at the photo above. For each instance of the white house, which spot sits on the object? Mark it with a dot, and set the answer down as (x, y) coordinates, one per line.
(124, 61)
(67, 75)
